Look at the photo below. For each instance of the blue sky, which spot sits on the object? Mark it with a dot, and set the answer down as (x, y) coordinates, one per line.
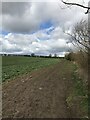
(46, 24)
(4, 32)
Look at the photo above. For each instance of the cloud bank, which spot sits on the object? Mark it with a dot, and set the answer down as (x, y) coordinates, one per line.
(30, 27)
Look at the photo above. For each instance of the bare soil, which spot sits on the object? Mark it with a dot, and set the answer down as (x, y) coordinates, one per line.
(40, 94)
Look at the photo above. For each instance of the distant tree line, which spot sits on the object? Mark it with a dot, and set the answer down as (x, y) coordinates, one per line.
(33, 55)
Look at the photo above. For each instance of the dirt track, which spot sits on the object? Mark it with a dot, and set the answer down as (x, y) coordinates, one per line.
(40, 94)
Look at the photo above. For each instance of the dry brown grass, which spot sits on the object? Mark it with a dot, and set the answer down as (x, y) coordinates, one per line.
(81, 59)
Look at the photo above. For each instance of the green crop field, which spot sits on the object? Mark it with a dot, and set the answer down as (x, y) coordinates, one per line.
(15, 65)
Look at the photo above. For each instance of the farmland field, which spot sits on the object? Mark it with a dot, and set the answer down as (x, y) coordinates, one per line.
(42, 88)
(16, 65)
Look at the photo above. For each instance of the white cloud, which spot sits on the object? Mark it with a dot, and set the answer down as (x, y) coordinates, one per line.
(27, 44)
(27, 17)
(23, 18)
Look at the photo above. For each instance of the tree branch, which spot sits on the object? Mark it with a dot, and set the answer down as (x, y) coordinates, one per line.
(76, 4)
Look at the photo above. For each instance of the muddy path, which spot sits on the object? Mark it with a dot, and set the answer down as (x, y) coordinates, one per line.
(40, 94)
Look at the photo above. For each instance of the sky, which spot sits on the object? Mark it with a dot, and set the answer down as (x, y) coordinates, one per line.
(37, 27)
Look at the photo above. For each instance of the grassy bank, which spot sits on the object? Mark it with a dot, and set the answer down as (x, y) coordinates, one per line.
(78, 95)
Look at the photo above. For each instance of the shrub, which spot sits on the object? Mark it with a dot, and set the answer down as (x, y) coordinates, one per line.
(69, 56)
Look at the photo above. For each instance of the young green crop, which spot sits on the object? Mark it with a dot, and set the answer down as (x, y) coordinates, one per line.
(15, 65)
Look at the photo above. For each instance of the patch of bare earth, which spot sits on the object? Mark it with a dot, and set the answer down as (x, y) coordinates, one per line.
(40, 94)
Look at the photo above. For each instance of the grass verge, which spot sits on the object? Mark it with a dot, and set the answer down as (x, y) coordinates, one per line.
(78, 97)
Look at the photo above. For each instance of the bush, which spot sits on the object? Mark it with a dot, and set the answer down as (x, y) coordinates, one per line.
(69, 56)
(81, 59)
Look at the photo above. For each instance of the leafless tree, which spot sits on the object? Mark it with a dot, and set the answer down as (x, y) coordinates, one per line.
(76, 4)
(80, 36)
